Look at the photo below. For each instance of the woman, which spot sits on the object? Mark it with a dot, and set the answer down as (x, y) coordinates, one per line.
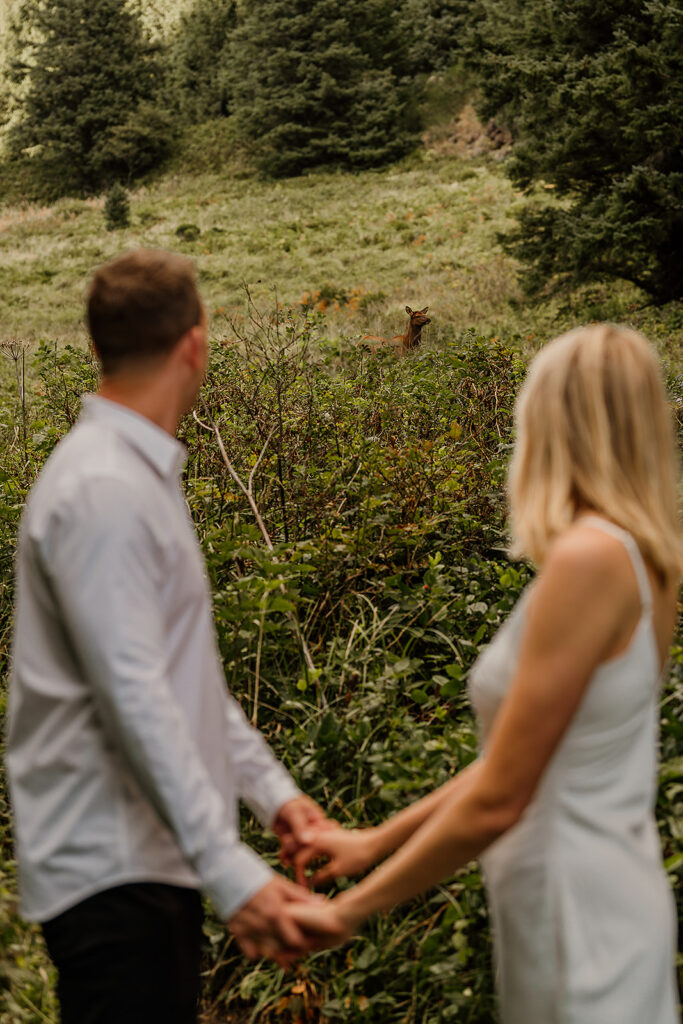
(560, 802)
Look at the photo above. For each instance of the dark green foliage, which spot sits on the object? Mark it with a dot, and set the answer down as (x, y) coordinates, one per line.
(92, 83)
(308, 93)
(594, 95)
(436, 31)
(188, 232)
(200, 58)
(117, 208)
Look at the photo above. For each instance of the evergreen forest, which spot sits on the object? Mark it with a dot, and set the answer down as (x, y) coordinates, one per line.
(514, 165)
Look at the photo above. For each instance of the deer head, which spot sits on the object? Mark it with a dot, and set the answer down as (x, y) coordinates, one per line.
(417, 321)
(417, 317)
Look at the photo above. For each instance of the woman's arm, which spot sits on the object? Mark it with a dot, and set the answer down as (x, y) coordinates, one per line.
(580, 603)
(352, 851)
(393, 832)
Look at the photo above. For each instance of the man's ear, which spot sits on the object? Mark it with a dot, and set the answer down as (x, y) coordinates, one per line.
(190, 347)
(193, 344)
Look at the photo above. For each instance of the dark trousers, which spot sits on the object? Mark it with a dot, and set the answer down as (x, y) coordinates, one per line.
(129, 955)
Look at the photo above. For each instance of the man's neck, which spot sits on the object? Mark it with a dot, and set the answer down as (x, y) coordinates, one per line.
(149, 398)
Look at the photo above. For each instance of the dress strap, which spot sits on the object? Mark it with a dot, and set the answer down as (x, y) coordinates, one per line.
(634, 553)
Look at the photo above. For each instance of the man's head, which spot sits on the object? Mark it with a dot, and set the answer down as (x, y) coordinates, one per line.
(139, 307)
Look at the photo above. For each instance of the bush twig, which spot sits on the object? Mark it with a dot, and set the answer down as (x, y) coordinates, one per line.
(248, 491)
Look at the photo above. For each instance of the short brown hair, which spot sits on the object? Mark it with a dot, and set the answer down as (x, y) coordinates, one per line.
(140, 305)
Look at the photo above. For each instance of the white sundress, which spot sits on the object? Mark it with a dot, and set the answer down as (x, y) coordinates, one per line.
(583, 914)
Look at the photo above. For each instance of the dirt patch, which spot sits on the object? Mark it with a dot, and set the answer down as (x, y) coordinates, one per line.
(466, 136)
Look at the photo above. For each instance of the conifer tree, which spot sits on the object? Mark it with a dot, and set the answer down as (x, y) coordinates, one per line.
(12, 53)
(436, 31)
(201, 55)
(307, 93)
(92, 80)
(594, 95)
(117, 208)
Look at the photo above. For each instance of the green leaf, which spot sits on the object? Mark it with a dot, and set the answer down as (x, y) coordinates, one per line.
(401, 667)
(450, 689)
(280, 604)
(673, 863)
(367, 957)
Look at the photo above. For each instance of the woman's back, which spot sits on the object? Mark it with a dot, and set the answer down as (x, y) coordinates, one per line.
(582, 908)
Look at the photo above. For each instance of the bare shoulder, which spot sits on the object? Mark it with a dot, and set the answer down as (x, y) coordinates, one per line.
(589, 571)
(587, 552)
(585, 600)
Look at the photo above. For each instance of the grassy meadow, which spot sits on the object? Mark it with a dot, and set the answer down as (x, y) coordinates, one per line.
(382, 487)
(359, 247)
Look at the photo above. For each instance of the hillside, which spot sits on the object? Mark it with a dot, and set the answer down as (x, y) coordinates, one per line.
(360, 247)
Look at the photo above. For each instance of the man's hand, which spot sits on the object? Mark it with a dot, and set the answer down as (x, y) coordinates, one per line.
(296, 823)
(263, 927)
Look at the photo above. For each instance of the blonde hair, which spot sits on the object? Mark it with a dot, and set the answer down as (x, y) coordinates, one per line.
(594, 430)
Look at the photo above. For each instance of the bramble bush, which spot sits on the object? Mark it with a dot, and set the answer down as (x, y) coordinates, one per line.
(381, 485)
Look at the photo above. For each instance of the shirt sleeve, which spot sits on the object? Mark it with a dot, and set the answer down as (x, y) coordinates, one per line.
(261, 780)
(105, 567)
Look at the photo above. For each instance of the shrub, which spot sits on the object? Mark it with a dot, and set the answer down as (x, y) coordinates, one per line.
(117, 208)
(188, 232)
(381, 485)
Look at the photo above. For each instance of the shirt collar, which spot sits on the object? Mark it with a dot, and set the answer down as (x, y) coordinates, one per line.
(166, 454)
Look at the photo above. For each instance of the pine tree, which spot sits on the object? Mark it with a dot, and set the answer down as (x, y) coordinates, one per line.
(594, 94)
(117, 208)
(436, 32)
(200, 58)
(12, 53)
(307, 94)
(90, 110)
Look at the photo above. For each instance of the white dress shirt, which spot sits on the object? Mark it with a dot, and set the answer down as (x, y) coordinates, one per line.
(126, 753)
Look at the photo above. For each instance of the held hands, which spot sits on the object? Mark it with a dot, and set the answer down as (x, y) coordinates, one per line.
(348, 852)
(327, 923)
(264, 926)
(283, 921)
(295, 825)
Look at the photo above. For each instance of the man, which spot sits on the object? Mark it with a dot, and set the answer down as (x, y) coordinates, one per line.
(126, 754)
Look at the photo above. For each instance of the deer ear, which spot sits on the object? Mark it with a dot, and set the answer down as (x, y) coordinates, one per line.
(425, 309)
(409, 311)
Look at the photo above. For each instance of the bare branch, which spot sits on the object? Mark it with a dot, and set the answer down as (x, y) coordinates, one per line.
(248, 493)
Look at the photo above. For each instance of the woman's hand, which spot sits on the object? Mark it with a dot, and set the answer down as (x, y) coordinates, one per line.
(348, 851)
(323, 923)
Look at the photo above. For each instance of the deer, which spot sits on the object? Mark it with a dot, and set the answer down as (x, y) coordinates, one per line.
(401, 343)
